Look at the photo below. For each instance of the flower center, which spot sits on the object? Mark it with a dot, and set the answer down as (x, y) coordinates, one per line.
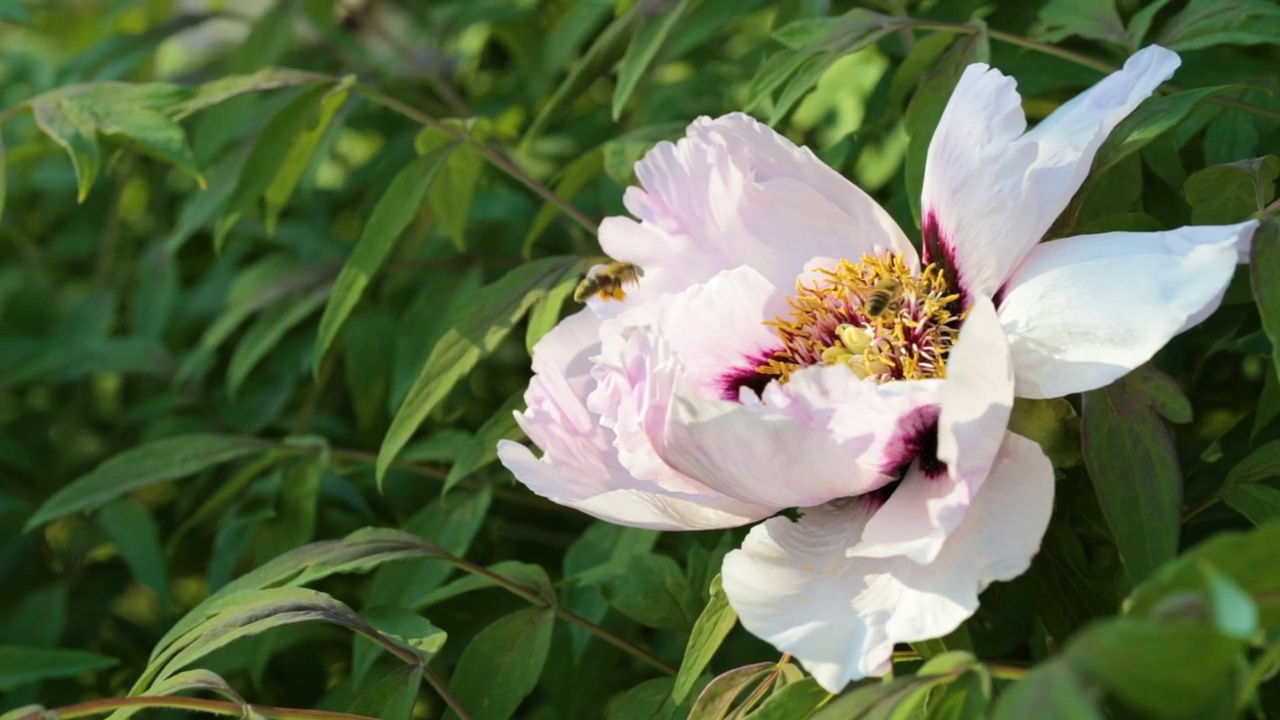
(873, 316)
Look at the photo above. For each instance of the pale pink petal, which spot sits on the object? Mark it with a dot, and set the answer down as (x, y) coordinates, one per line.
(734, 192)
(580, 466)
(1081, 312)
(991, 191)
(933, 497)
(882, 426)
(794, 585)
(760, 456)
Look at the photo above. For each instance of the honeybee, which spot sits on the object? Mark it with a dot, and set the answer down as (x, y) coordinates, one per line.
(607, 282)
(881, 297)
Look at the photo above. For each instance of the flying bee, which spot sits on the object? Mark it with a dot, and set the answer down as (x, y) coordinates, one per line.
(881, 297)
(607, 282)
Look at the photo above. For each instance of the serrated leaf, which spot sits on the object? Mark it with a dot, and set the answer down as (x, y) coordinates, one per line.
(137, 537)
(645, 44)
(393, 213)
(154, 462)
(502, 664)
(475, 332)
(1136, 475)
(22, 665)
(710, 629)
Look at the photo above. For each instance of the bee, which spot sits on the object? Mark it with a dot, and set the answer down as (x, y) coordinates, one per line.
(607, 282)
(881, 297)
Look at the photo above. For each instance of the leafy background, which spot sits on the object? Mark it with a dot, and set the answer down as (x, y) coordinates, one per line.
(270, 270)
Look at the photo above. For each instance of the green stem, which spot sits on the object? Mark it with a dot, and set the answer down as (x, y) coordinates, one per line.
(496, 158)
(216, 707)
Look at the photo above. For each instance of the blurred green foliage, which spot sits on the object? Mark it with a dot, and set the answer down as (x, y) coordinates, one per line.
(269, 275)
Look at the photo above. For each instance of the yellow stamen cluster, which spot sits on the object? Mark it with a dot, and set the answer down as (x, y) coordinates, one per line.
(829, 322)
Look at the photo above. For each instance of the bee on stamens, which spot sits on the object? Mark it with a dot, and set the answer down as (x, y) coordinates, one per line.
(881, 297)
(607, 282)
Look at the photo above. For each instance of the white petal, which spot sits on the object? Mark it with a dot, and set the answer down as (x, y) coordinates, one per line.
(793, 585)
(762, 457)
(734, 192)
(991, 191)
(1081, 312)
(977, 398)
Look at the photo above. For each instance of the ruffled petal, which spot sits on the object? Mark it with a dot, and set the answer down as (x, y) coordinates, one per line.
(1081, 312)
(991, 191)
(580, 466)
(734, 192)
(793, 584)
(976, 400)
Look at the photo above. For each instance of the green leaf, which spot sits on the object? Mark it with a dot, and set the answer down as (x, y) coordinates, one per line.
(546, 312)
(501, 666)
(294, 520)
(1248, 559)
(1092, 19)
(393, 213)
(793, 700)
(267, 331)
(407, 628)
(216, 92)
(1171, 670)
(391, 697)
(22, 665)
(1205, 23)
(655, 28)
(652, 590)
(1264, 268)
(571, 180)
(137, 537)
(650, 700)
(1051, 423)
(1231, 193)
(1135, 472)
(1052, 691)
(475, 332)
(1161, 392)
(925, 109)
(482, 448)
(1150, 120)
(451, 195)
(1064, 592)
(154, 462)
(450, 523)
(1260, 503)
(531, 576)
(594, 63)
(302, 152)
(719, 695)
(266, 159)
(710, 629)
(15, 11)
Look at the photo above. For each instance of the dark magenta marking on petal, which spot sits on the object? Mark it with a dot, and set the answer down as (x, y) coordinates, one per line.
(940, 251)
(911, 437)
(746, 376)
(930, 465)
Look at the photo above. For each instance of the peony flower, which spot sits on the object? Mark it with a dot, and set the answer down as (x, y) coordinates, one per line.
(787, 349)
